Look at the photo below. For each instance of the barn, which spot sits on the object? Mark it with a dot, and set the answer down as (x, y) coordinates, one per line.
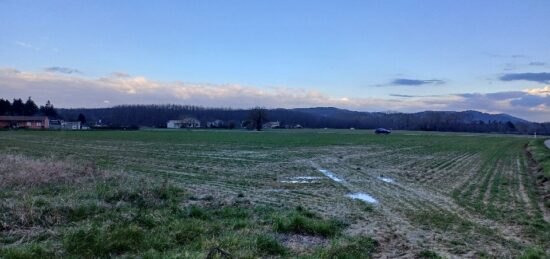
(24, 122)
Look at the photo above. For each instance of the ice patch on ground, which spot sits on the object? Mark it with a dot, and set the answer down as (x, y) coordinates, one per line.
(330, 175)
(296, 181)
(386, 179)
(302, 179)
(362, 196)
(306, 177)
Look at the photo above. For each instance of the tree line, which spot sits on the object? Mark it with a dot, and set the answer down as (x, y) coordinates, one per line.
(321, 117)
(28, 108)
(158, 115)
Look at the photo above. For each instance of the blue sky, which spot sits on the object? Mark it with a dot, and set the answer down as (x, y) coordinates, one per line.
(380, 55)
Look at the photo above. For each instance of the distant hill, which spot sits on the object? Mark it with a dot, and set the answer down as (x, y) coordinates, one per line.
(474, 116)
(317, 117)
(465, 116)
(328, 111)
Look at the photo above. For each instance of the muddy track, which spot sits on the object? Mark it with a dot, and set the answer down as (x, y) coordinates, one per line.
(397, 198)
(522, 191)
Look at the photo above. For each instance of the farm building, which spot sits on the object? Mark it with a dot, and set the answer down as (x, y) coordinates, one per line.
(25, 122)
(272, 124)
(215, 124)
(185, 123)
(65, 125)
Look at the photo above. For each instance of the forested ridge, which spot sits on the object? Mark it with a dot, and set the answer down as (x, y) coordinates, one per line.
(320, 117)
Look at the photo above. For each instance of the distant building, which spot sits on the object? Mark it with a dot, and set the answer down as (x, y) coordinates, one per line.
(246, 124)
(272, 124)
(65, 125)
(215, 124)
(185, 123)
(72, 125)
(24, 122)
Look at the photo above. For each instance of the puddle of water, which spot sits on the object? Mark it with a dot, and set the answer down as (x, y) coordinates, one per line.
(330, 175)
(306, 177)
(386, 179)
(301, 179)
(362, 196)
(298, 181)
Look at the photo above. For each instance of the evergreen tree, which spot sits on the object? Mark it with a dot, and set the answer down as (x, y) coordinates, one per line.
(48, 110)
(17, 107)
(5, 107)
(30, 108)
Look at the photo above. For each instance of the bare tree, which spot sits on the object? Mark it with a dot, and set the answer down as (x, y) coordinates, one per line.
(258, 116)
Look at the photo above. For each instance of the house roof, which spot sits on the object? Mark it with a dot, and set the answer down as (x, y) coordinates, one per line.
(23, 118)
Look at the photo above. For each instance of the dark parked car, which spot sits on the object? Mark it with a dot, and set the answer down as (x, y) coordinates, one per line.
(382, 131)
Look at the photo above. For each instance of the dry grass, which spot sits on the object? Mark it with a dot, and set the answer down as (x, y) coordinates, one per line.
(17, 171)
(53, 209)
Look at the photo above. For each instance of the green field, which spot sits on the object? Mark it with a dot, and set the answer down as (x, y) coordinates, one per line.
(182, 194)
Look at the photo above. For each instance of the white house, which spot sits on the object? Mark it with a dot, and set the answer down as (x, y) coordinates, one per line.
(65, 125)
(272, 124)
(185, 123)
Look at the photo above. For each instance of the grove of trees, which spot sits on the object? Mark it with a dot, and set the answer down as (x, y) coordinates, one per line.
(28, 108)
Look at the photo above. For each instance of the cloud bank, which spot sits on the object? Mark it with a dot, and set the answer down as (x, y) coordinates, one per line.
(543, 77)
(75, 90)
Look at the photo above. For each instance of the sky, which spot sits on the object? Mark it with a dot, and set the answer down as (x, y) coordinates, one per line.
(402, 55)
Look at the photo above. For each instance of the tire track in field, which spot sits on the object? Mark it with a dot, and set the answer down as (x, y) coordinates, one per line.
(522, 191)
(441, 175)
(488, 182)
(391, 197)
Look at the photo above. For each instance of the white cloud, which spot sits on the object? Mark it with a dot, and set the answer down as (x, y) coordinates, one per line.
(71, 90)
(545, 91)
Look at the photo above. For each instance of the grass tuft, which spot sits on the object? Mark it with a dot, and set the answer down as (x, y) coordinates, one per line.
(269, 245)
(428, 254)
(302, 221)
(351, 247)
